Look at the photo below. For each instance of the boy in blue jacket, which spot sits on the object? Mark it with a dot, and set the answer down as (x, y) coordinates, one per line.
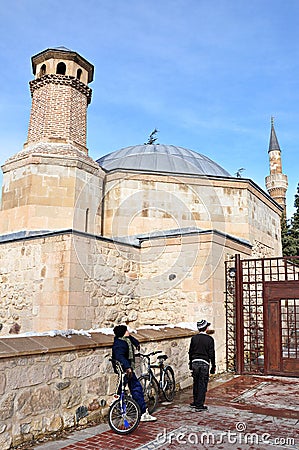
(124, 352)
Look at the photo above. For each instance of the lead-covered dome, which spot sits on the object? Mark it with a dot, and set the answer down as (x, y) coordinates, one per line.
(161, 158)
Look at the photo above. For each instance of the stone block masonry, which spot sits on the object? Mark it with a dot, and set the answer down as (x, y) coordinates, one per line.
(73, 280)
(65, 280)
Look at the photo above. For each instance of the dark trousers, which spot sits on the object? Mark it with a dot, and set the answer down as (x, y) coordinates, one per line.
(200, 373)
(136, 391)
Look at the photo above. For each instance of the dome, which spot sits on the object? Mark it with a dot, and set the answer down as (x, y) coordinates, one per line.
(161, 158)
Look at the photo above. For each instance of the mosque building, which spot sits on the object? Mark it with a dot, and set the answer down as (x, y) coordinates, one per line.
(138, 236)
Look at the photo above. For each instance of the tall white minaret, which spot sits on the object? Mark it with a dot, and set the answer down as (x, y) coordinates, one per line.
(276, 182)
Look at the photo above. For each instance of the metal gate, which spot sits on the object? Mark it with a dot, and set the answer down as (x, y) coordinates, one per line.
(262, 315)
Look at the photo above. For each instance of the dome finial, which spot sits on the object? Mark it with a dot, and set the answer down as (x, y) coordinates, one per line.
(152, 139)
(239, 172)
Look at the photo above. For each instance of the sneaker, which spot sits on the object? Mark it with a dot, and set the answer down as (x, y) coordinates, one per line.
(146, 417)
(193, 405)
(201, 408)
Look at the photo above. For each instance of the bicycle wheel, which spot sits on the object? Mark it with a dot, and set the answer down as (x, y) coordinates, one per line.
(150, 392)
(169, 384)
(124, 417)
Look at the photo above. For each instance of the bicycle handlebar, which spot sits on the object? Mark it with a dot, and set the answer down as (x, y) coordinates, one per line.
(148, 355)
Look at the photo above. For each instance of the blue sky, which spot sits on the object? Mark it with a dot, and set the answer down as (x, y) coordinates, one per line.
(209, 74)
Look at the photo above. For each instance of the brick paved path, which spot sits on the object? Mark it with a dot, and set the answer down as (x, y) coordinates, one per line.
(244, 413)
(179, 428)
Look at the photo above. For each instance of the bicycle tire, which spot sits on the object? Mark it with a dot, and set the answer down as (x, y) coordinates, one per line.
(124, 423)
(150, 391)
(169, 384)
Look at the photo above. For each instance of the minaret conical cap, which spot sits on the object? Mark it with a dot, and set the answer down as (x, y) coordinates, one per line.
(273, 144)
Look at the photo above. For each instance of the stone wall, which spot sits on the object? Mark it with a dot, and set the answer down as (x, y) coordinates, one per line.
(51, 187)
(104, 276)
(268, 223)
(182, 280)
(71, 280)
(66, 280)
(140, 203)
(44, 385)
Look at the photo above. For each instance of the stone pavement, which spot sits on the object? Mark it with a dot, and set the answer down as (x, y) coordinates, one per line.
(245, 412)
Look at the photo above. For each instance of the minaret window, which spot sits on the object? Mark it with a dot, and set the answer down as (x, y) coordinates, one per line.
(79, 73)
(43, 70)
(61, 68)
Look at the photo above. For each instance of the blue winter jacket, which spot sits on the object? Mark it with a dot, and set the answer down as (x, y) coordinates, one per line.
(120, 351)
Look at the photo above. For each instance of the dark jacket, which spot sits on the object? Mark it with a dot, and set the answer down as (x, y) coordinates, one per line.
(202, 347)
(120, 351)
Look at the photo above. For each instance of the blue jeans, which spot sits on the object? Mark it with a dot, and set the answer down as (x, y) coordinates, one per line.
(200, 373)
(136, 391)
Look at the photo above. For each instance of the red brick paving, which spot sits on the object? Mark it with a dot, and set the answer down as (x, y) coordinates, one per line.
(268, 407)
(267, 395)
(216, 421)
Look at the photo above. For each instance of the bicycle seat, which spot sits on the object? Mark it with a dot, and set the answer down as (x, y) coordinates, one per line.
(164, 357)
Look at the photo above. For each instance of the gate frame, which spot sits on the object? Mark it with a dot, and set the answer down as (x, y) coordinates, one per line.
(245, 294)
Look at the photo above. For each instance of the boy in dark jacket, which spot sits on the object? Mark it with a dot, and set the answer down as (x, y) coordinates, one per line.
(201, 354)
(124, 352)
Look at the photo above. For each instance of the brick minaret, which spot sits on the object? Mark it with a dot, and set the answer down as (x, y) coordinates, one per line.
(52, 183)
(276, 182)
(60, 96)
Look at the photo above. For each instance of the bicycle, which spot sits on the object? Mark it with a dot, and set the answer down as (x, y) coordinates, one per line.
(151, 386)
(124, 412)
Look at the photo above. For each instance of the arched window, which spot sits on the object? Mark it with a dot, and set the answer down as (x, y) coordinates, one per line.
(86, 220)
(79, 73)
(43, 70)
(61, 68)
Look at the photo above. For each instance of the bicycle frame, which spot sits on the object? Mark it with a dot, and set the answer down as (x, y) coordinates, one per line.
(123, 404)
(159, 366)
(161, 382)
(152, 386)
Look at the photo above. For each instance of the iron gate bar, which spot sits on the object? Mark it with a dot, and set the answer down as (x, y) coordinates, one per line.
(239, 317)
(230, 307)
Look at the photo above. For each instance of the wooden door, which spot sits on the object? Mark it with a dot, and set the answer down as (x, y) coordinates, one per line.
(281, 328)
